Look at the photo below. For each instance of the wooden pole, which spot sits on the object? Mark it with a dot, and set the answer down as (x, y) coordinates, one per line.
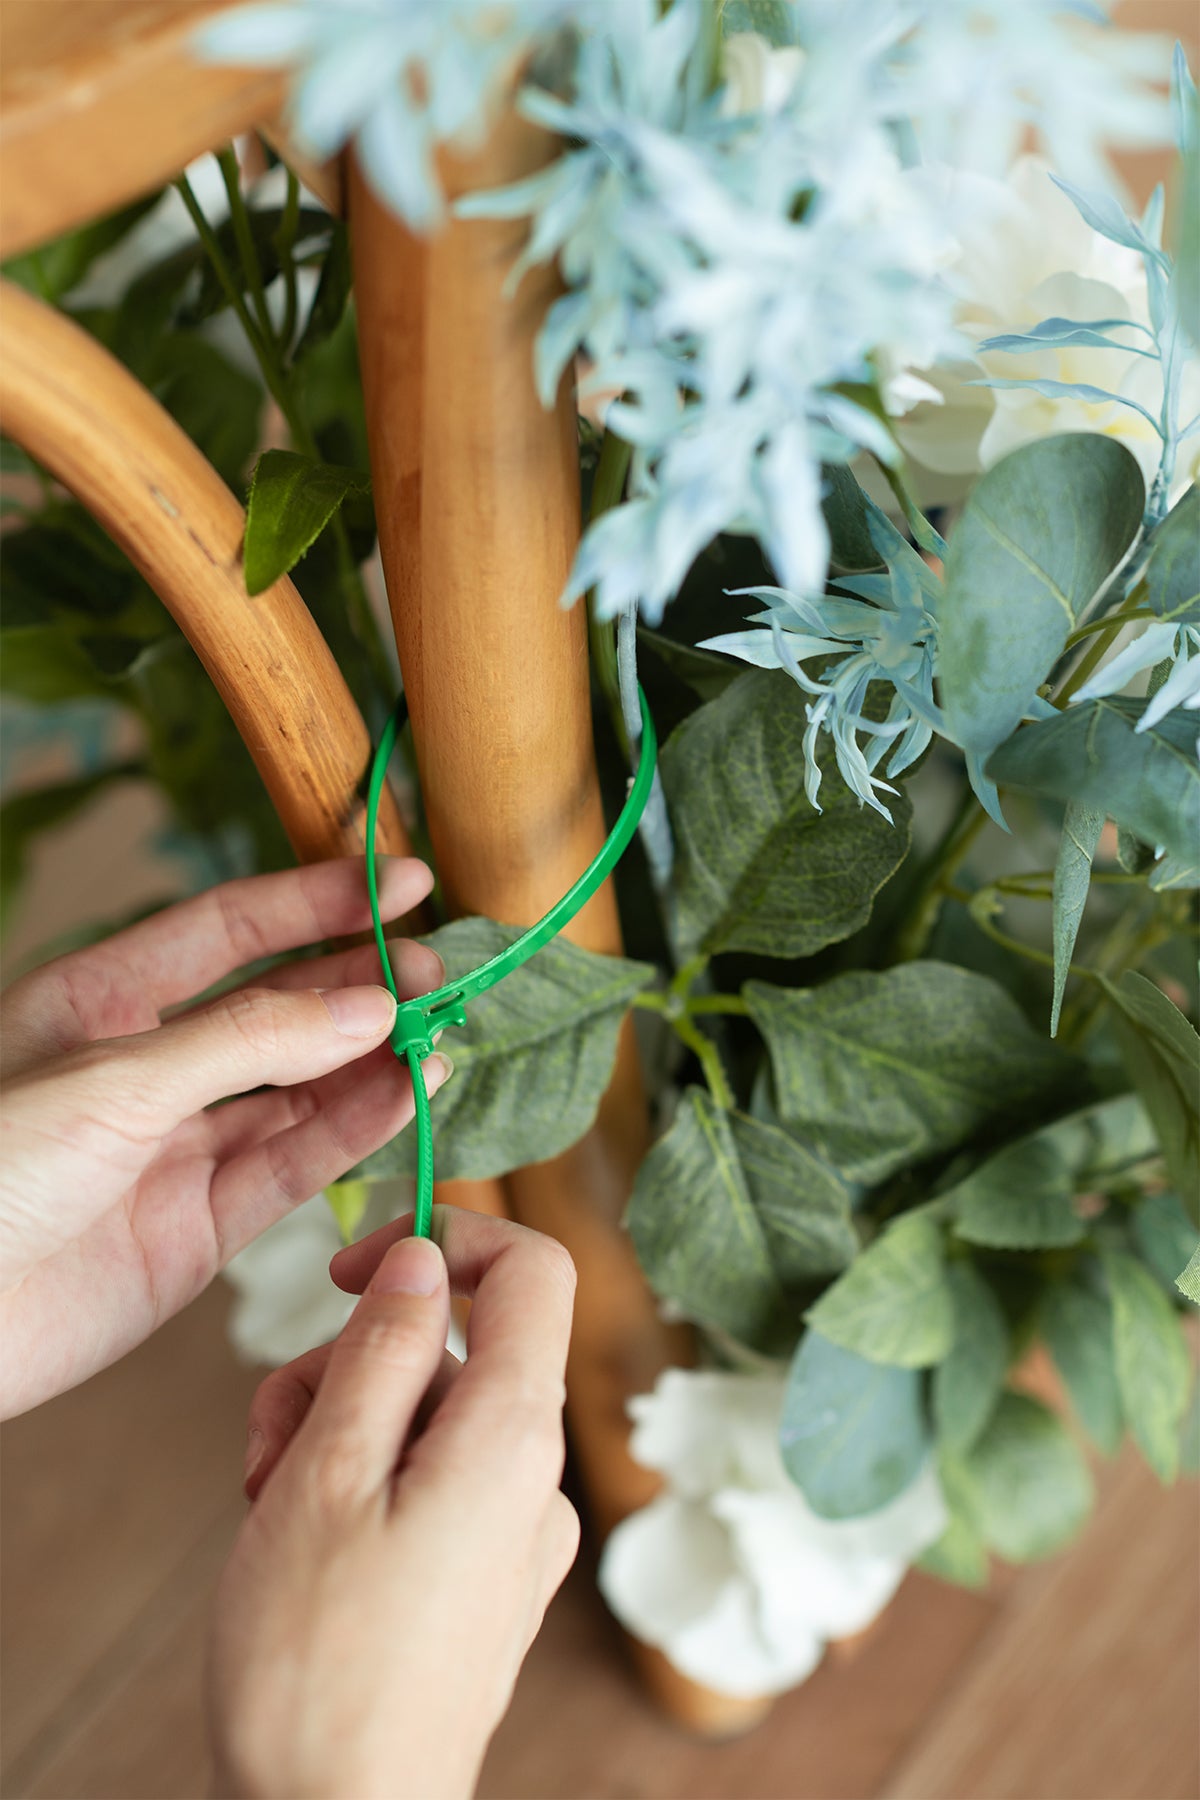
(477, 495)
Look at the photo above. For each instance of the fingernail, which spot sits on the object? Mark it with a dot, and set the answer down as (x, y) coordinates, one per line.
(413, 1266)
(359, 1012)
(438, 1069)
(256, 1449)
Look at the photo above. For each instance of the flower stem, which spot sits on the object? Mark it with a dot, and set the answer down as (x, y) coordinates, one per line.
(937, 880)
(709, 1058)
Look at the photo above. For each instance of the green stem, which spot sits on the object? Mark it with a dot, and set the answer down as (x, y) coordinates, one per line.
(1105, 631)
(731, 1004)
(289, 225)
(607, 491)
(231, 175)
(708, 1056)
(934, 889)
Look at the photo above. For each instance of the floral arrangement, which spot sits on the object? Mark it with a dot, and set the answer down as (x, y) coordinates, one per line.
(892, 510)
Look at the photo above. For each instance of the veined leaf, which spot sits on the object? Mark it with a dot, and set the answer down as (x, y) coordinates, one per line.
(533, 1062)
(1162, 1054)
(1081, 830)
(1020, 1199)
(292, 499)
(851, 1432)
(1188, 1280)
(968, 1383)
(1153, 1370)
(1039, 534)
(757, 867)
(1077, 1325)
(1091, 754)
(894, 1304)
(879, 1071)
(730, 1216)
(1173, 571)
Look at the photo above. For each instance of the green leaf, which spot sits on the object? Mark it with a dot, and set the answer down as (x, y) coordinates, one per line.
(968, 1383)
(1148, 781)
(333, 291)
(292, 499)
(1076, 1323)
(757, 867)
(851, 1431)
(533, 1062)
(348, 1201)
(1026, 1487)
(1020, 1199)
(878, 1071)
(894, 1304)
(1153, 1371)
(47, 663)
(1165, 1236)
(1173, 571)
(729, 1216)
(1039, 534)
(26, 815)
(1162, 1054)
(218, 405)
(851, 546)
(772, 19)
(1081, 830)
(960, 1554)
(314, 229)
(1188, 1282)
(53, 270)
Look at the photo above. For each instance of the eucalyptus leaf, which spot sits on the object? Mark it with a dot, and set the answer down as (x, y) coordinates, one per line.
(851, 1432)
(1027, 1489)
(1162, 1053)
(1091, 754)
(1077, 1325)
(1165, 1236)
(1153, 1369)
(533, 1062)
(968, 1382)
(876, 1071)
(894, 1304)
(1081, 830)
(730, 1216)
(1173, 572)
(757, 866)
(292, 499)
(1039, 534)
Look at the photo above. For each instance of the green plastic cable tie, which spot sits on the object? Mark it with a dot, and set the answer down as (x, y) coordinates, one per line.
(419, 1021)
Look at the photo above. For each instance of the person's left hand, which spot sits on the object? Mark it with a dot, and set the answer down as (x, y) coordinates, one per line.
(123, 1189)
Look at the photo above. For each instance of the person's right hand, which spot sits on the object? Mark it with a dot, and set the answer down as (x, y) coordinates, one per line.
(407, 1530)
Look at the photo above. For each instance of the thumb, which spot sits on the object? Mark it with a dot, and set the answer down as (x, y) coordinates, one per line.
(251, 1038)
(378, 1372)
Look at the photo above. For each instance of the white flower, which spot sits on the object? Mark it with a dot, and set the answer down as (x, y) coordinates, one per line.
(1025, 255)
(286, 1302)
(729, 1572)
(757, 77)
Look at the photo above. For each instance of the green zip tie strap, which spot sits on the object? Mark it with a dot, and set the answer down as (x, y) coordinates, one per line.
(419, 1021)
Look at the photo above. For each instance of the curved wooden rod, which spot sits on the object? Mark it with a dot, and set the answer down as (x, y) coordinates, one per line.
(85, 418)
(478, 492)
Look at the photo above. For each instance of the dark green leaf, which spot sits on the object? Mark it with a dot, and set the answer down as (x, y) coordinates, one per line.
(851, 545)
(1076, 1323)
(877, 1071)
(1039, 534)
(54, 269)
(1091, 754)
(1027, 1489)
(333, 292)
(757, 867)
(314, 229)
(967, 1384)
(1081, 830)
(851, 1432)
(894, 1303)
(46, 663)
(533, 1062)
(292, 499)
(1020, 1199)
(217, 404)
(1153, 1370)
(1165, 1236)
(729, 1216)
(706, 673)
(1173, 572)
(1162, 1054)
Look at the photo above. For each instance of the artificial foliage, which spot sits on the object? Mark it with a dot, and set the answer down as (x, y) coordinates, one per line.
(912, 931)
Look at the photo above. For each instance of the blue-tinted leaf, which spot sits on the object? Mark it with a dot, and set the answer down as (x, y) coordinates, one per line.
(1081, 830)
(1105, 215)
(851, 1431)
(1070, 390)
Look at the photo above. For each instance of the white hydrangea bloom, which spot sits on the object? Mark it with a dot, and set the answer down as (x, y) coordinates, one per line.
(1025, 254)
(729, 1572)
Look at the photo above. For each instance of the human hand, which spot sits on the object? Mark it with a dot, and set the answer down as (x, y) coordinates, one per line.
(407, 1531)
(120, 1194)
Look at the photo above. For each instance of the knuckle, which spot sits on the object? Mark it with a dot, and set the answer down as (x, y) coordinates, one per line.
(340, 1473)
(253, 1014)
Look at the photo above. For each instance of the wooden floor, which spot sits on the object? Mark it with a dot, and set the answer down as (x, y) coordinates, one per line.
(1074, 1681)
